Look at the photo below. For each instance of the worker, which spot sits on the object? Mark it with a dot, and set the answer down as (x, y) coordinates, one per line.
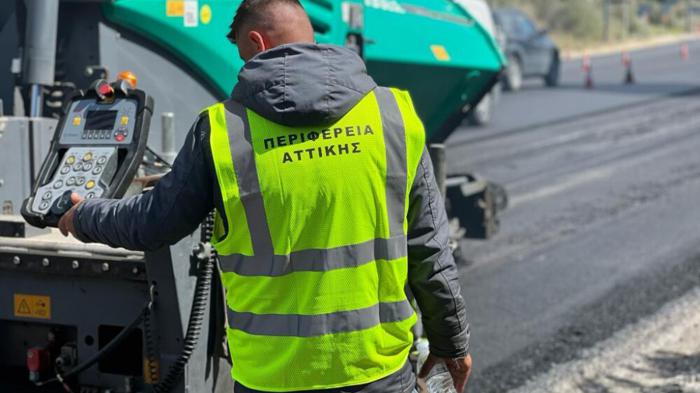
(328, 217)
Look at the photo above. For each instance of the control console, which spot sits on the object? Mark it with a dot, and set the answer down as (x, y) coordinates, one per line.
(96, 149)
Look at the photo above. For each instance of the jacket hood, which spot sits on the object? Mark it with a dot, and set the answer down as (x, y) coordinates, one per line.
(303, 84)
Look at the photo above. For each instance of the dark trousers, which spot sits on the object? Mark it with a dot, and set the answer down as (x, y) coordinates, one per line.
(402, 381)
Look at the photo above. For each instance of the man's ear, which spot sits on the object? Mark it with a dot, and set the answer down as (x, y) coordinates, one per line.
(258, 40)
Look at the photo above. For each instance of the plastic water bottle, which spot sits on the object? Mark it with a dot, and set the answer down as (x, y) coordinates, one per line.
(439, 379)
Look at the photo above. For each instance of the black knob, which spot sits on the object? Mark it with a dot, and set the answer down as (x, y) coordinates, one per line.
(62, 204)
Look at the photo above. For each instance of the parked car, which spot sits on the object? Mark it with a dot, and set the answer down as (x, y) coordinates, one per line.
(531, 52)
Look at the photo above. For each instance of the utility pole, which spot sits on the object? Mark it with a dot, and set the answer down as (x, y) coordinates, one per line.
(625, 18)
(690, 8)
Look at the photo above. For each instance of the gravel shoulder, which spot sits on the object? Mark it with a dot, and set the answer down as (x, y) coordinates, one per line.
(631, 45)
(660, 353)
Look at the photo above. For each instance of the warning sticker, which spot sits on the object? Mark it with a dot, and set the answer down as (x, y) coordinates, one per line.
(440, 52)
(32, 306)
(191, 17)
(205, 14)
(175, 8)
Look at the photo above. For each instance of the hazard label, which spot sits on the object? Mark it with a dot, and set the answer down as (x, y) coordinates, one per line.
(175, 8)
(440, 52)
(32, 306)
(191, 13)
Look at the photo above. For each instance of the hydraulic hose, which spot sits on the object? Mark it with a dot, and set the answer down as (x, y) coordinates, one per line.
(118, 339)
(194, 325)
(197, 313)
(152, 366)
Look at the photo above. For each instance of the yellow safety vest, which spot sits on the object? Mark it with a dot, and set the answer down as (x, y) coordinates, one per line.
(312, 242)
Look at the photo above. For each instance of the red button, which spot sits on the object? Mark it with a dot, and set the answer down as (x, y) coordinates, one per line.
(38, 359)
(119, 137)
(105, 90)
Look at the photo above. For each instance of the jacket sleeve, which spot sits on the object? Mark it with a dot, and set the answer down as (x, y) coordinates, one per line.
(432, 272)
(171, 210)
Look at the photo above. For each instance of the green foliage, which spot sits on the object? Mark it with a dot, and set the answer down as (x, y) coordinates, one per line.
(640, 28)
(578, 22)
(579, 18)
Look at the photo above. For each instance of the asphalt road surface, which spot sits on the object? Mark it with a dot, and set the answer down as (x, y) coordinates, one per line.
(604, 223)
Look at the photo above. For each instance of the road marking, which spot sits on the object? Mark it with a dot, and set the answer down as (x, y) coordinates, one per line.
(571, 182)
(612, 167)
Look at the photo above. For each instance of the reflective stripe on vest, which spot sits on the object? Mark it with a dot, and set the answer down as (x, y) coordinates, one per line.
(316, 325)
(316, 303)
(316, 260)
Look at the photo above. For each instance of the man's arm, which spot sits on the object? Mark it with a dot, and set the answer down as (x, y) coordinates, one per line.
(432, 272)
(174, 208)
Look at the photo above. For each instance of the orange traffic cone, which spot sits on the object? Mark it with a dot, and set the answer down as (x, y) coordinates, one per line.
(685, 51)
(627, 63)
(587, 67)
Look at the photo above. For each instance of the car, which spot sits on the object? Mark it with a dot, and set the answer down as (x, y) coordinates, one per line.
(483, 113)
(530, 51)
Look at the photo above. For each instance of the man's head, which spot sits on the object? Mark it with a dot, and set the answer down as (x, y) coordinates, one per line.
(263, 24)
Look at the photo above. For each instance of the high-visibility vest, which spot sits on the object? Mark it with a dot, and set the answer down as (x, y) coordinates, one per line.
(312, 242)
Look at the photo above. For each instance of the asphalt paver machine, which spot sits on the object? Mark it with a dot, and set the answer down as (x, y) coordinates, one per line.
(90, 318)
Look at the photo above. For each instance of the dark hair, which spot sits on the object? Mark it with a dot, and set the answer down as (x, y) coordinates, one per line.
(253, 11)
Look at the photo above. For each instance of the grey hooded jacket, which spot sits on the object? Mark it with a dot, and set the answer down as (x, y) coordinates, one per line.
(294, 85)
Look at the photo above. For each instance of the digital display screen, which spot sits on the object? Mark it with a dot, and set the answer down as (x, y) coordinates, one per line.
(100, 120)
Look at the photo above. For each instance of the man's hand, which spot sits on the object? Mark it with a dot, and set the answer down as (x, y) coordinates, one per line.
(459, 369)
(65, 224)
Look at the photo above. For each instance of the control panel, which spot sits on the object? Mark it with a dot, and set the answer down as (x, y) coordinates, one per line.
(96, 149)
(93, 123)
(85, 171)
